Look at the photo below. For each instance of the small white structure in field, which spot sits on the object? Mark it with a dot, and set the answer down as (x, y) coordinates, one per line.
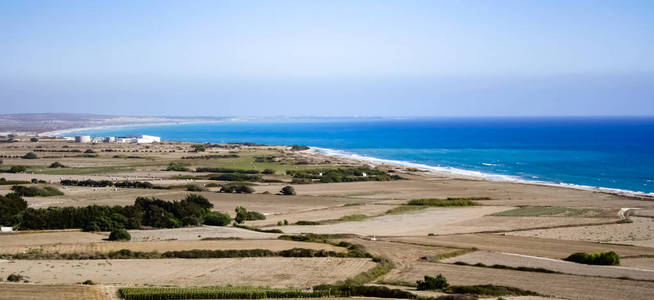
(6, 229)
(373, 238)
(83, 139)
(364, 174)
(110, 139)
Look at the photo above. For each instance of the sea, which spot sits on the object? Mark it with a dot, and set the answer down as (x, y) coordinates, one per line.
(614, 154)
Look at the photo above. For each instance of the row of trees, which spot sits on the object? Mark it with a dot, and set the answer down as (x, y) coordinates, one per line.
(340, 175)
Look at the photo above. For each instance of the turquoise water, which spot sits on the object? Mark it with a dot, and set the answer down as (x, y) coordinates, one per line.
(613, 153)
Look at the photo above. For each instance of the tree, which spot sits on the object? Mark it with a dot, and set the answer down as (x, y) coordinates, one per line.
(287, 190)
(241, 214)
(432, 283)
(119, 235)
(11, 206)
(30, 155)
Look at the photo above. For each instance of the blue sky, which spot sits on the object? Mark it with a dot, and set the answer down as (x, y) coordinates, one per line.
(328, 58)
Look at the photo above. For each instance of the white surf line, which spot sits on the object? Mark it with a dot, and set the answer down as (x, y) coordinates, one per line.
(372, 161)
(569, 262)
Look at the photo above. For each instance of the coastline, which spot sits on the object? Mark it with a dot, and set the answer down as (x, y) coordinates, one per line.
(476, 175)
(443, 171)
(62, 132)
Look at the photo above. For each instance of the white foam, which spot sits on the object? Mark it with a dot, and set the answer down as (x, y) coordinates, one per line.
(470, 173)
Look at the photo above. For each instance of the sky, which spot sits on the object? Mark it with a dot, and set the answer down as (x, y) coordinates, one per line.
(328, 58)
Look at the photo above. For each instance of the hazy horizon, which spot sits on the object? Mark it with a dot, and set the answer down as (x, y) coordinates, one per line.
(328, 58)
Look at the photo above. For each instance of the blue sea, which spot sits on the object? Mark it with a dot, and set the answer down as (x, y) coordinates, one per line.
(614, 153)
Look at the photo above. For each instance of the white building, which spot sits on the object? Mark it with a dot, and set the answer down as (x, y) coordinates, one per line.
(83, 139)
(147, 139)
(110, 139)
(97, 140)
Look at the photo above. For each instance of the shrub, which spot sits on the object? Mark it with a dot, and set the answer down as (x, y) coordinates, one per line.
(490, 290)
(34, 140)
(268, 171)
(236, 177)
(199, 147)
(306, 223)
(15, 277)
(17, 169)
(353, 218)
(175, 166)
(299, 147)
(600, 258)
(88, 282)
(287, 190)
(444, 202)
(89, 151)
(217, 219)
(243, 215)
(30, 155)
(432, 283)
(119, 235)
(56, 165)
(195, 188)
(34, 191)
(236, 188)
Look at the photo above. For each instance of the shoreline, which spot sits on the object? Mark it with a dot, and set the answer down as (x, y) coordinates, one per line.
(449, 171)
(476, 175)
(61, 132)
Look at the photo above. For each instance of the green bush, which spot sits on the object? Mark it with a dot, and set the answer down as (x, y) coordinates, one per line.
(432, 283)
(243, 215)
(217, 219)
(235, 177)
(175, 166)
(240, 188)
(35, 191)
(119, 235)
(89, 151)
(30, 155)
(287, 190)
(56, 165)
(307, 223)
(17, 169)
(608, 258)
(268, 171)
(199, 147)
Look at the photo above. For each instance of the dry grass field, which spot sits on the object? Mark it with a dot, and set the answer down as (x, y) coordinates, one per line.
(163, 246)
(268, 271)
(9, 291)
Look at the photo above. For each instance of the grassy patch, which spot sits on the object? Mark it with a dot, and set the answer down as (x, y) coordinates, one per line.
(489, 290)
(535, 211)
(525, 269)
(454, 253)
(302, 222)
(217, 292)
(353, 218)
(402, 209)
(449, 202)
(35, 191)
